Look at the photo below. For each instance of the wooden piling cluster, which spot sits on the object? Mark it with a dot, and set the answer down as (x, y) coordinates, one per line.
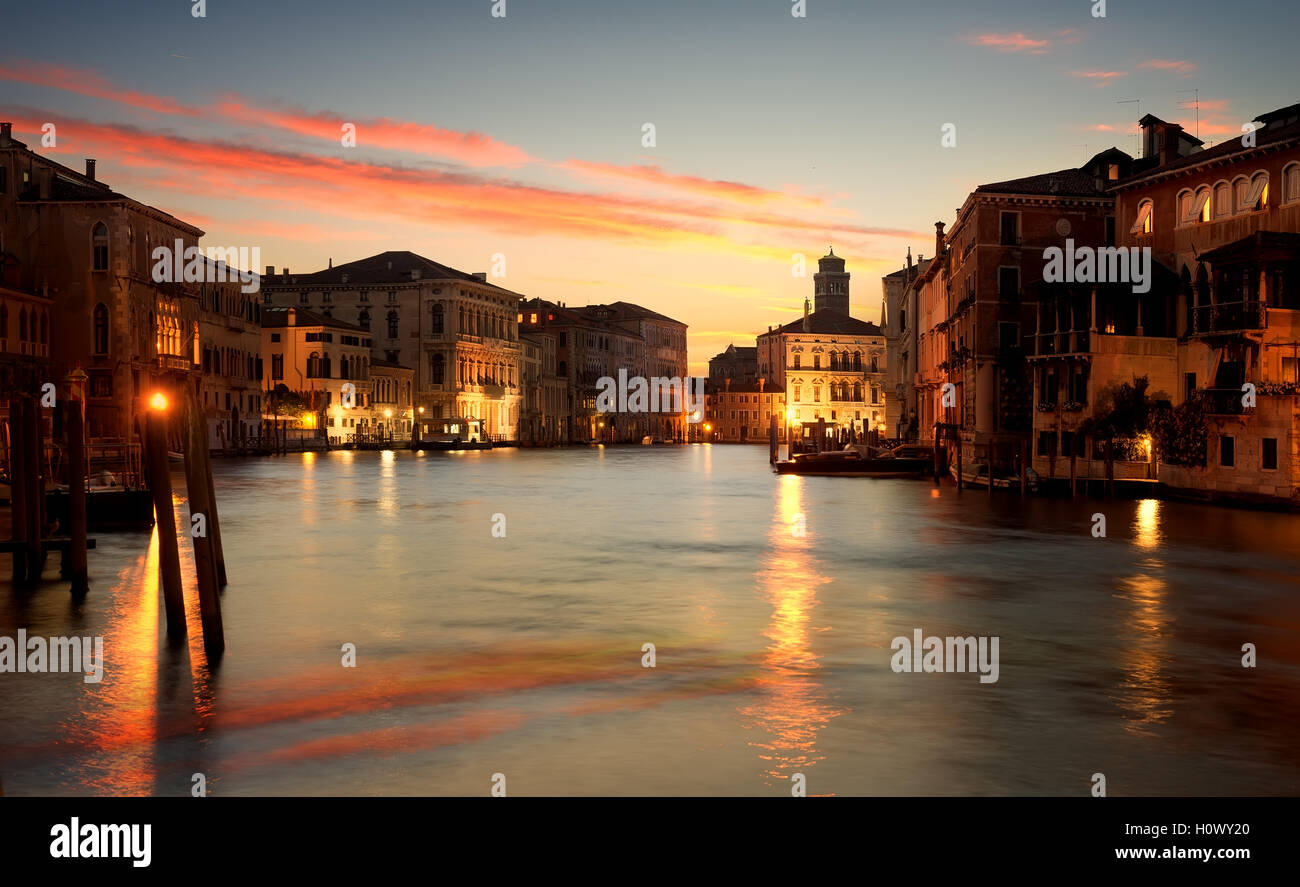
(32, 535)
(209, 560)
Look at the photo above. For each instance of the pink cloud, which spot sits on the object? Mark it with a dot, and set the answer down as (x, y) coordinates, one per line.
(1177, 66)
(1101, 78)
(1016, 42)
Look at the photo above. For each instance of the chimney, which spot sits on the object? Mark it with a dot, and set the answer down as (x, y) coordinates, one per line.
(480, 276)
(286, 273)
(726, 383)
(331, 261)
(761, 380)
(90, 168)
(807, 327)
(6, 133)
(270, 270)
(938, 238)
(909, 258)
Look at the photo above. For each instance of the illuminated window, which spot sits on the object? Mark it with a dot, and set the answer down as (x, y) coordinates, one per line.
(1142, 225)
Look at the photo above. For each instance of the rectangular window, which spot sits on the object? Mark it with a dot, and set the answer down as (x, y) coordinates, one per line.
(1227, 451)
(1189, 385)
(1268, 454)
(1290, 369)
(277, 366)
(4, 179)
(1010, 229)
(275, 337)
(1008, 335)
(1110, 230)
(1008, 283)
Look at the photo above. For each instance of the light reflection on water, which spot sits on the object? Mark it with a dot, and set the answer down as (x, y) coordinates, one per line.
(523, 654)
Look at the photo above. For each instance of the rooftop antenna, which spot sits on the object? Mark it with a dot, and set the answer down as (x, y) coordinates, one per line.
(1196, 103)
(1137, 102)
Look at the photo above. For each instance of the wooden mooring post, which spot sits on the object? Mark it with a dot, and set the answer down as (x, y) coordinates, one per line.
(18, 489)
(202, 502)
(771, 439)
(74, 557)
(160, 485)
(35, 484)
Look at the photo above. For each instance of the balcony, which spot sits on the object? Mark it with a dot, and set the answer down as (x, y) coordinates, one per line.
(175, 362)
(1226, 318)
(1061, 343)
(1224, 402)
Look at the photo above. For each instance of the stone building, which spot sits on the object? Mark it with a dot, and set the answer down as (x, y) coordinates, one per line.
(1223, 224)
(230, 362)
(456, 330)
(321, 366)
(739, 365)
(741, 412)
(86, 250)
(829, 365)
(995, 260)
(597, 341)
(898, 323)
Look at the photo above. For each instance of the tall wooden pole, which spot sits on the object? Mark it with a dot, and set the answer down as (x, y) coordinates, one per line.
(1024, 469)
(214, 523)
(18, 488)
(960, 468)
(198, 489)
(74, 424)
(160, 484)
(35, 488)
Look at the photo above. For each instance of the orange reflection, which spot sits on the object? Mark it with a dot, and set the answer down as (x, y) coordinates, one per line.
(1146, 694)
(793, 705)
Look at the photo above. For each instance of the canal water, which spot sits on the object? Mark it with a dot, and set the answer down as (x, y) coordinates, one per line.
(771, 604)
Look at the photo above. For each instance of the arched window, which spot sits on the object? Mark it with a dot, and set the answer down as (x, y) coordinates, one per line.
(22, 324)
(343, 367)
(1222, 201)
(1258, 197)
(875, 366)
(45, 331)
(857, 362)
(392, 324)
(1143, 224)
(435, 318)
(313, 365)
(325, 368)
(1291, 183)
(1197, 207)
(363, 319)
(857, 391)
(99, 246)
(438, 368)
(1240, 191)
(1184, 204)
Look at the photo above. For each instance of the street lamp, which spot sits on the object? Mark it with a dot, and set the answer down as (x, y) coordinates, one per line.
(158, 401)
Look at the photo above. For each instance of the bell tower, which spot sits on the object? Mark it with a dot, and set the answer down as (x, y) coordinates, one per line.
(831, 285)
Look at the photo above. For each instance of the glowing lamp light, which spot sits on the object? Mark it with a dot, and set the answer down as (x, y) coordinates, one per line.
(388, 414)
(708, 427)
(158, 401)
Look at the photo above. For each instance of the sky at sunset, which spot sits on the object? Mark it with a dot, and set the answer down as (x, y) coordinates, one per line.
(522, 135)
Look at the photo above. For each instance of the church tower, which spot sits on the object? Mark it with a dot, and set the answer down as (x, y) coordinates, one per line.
(831, 285)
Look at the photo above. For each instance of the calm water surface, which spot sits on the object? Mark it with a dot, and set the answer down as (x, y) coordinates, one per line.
(522, 655)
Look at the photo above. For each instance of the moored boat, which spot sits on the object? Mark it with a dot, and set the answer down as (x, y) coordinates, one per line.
(859, 460)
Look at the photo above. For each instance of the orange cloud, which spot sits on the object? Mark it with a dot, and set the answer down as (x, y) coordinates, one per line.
(360, 191)
(89, 84)
(1101, 127)
(1177, 66)
(469, 148)
(1017, 42)
(1100, 77)
(655, 176)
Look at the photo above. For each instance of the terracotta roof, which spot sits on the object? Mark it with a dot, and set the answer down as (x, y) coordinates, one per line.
(394, 266)
(1064, 182)
(1279, 126)
(829, 323)
(279, 317)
